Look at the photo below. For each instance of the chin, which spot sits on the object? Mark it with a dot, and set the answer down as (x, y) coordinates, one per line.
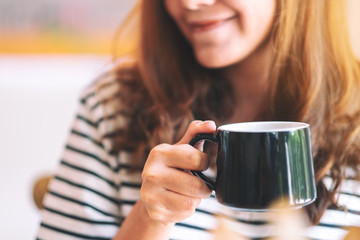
(215, 62)
(218, 59)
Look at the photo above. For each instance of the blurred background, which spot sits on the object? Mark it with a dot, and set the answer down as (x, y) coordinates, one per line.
(62, 26)
(49, 51)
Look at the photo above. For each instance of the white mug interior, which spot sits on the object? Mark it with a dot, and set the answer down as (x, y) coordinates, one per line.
(266, 126)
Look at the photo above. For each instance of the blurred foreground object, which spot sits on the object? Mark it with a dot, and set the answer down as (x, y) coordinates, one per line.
(354, 233)
(289, 223)
(223, 231)
(286, 224)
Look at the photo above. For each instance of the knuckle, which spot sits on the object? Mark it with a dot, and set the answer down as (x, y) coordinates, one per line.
(194, 123)
(149, 177)
(159, 150)
(196, 161)
(158, 216)
(194, 126)
(146, 197)
(155, 215)
(199, 162)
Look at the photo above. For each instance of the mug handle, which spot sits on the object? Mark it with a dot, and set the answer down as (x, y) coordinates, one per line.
(210, 137)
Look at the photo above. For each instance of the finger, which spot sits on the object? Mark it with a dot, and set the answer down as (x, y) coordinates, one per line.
(171, 201)
(197, 127)
(181, 156)
(177, 181)
(177, 202)
(167, 206)
(185, 184)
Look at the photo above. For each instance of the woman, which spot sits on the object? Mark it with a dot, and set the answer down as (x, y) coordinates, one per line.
(122, 173)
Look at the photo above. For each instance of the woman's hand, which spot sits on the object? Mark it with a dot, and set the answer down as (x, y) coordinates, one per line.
(170, 194)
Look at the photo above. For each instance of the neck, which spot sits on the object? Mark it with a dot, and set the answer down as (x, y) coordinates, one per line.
(250, 82)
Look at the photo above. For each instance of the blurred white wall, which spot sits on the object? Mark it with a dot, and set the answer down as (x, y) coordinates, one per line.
(38, 99)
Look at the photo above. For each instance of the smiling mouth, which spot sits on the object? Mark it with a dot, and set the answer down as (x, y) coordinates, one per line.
(204, 26)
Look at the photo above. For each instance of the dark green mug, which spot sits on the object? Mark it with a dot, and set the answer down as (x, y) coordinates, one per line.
(261, 162)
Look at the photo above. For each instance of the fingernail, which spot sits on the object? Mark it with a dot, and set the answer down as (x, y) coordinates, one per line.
(211, 122)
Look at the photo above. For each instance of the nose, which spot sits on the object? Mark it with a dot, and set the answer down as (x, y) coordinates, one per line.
(196, 4)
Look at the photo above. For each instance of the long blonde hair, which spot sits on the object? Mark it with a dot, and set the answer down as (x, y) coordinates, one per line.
(315, 78)
(318, 81)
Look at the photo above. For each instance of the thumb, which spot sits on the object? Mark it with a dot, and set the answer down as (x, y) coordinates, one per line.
(197, 127)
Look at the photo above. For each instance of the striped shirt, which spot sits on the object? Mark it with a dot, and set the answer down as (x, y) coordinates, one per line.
(92, 191)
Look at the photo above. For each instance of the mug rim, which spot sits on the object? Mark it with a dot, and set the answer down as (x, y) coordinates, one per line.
(264, 126)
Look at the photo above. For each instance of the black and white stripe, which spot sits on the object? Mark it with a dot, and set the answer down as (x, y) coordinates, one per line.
(92, 191)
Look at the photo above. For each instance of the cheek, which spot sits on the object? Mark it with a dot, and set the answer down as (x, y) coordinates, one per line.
(257, 23)
(172, 8)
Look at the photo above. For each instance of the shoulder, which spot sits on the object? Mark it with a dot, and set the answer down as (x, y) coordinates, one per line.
(108, 82)
(111, 99)
(110, 89)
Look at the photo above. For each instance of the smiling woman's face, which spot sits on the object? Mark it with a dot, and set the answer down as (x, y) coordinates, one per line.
(223, 32)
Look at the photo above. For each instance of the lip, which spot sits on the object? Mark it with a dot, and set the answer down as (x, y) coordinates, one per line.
(206, 25)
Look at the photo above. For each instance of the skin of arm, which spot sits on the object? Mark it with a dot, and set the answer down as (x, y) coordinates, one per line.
(138, 225)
